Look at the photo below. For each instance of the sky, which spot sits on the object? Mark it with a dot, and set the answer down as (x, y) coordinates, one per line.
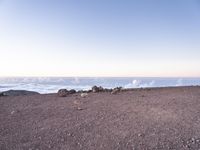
(110, 38)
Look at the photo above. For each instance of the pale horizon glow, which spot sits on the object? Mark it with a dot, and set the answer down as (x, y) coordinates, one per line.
(100, 38)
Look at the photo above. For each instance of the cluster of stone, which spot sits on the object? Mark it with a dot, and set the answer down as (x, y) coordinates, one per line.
(65, 92)
(95, 89)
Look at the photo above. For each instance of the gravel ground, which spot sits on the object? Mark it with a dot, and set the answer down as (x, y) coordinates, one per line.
(157, 118)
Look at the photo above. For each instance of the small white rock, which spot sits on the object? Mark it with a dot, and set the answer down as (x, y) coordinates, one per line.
(84, 94)
(12, 112)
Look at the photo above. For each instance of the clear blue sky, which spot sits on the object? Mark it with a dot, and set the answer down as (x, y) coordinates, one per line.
(100, 38)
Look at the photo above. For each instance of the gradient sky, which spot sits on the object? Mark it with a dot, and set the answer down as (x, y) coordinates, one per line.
(100, 38)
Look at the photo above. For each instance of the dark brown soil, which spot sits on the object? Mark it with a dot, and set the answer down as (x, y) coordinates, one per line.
(160, 118)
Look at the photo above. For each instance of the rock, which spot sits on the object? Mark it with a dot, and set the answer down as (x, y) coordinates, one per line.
(116, 90)
(12, 112)
(107, 90)
(95, 89)
(79, 108)
(84, 94)
(1, 94)
(193, 140)
(18, 93)
(89, 91)
(63, 92)
(76, 103)
(68, 134)
(80, 91)
(72, 91)
(62, 140)
(101, 89)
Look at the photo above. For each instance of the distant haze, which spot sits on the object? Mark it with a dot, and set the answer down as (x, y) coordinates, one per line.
(100, 38)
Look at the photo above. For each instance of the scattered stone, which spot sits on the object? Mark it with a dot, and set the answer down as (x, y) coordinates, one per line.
(84, 95)
(63, 92)
(96, 89)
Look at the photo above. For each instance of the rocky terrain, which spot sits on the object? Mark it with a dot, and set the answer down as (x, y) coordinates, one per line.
(140, 119)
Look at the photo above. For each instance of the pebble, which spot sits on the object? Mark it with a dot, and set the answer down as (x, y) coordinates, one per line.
(79, 144)
(192, 139)
(84, 95)
(115, 91)
(187, 146)
(12, 112)
(62, 140)
(69, 134)
(79, 108)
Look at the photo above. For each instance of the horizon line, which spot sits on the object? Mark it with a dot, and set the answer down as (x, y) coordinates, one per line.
(99, 76)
